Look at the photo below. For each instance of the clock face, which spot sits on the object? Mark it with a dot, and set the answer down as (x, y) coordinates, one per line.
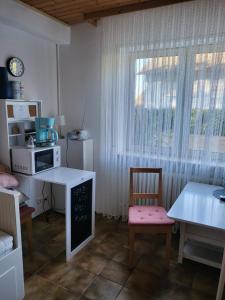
(15, 66)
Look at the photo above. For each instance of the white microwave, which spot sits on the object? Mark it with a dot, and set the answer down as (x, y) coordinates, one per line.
(31, 161)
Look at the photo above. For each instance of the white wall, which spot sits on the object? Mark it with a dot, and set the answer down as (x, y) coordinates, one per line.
(80, 81)
(39, 57)
(24, 17)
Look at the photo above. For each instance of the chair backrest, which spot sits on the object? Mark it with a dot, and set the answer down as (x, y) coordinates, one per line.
(134, 196)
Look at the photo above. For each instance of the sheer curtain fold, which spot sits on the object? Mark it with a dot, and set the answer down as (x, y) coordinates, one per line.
(162, 99)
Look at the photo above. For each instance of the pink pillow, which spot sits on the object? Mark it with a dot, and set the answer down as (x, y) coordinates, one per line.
(7, 180)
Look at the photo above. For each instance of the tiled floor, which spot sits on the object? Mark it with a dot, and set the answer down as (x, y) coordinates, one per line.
(100, 271)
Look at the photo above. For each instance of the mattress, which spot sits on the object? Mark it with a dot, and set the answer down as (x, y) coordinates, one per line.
(6, 243)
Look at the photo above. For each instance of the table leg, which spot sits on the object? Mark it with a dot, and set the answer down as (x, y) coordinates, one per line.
(67, 195)
(222, 279)
(181, 244)
(28, 225)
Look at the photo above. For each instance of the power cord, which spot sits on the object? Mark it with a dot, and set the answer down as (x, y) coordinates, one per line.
(43, 202)
(52, 196)
(67, 147)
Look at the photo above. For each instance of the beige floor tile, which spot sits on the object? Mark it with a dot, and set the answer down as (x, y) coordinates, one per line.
(55, 270)
(61, 237)
(107, 248)
(36, 295)
(32, 264)
(77, 280)
(49, 277)
(118, 237)
(173, 292)
(91, 262)
(36, 287)
(53, 249)
(122, 256)
(96, 241)
(59, 293)
(116, 272)
(152, 264)
(182, 274)
(146, 282)
(144, 247)
(206, 280)
(131, 294)
(102, 289)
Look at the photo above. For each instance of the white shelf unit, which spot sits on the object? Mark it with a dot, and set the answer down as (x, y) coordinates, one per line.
(204, 253)
(17, 121)
(21, 114)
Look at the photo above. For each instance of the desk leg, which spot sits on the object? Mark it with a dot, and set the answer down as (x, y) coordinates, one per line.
(222, 279)
(68, 221)
(28, 224)
(181, 244)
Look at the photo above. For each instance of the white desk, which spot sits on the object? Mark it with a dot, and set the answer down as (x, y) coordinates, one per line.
(202, 227)
(72, 179)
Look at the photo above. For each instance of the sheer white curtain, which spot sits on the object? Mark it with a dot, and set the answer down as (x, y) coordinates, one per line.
(163, 99)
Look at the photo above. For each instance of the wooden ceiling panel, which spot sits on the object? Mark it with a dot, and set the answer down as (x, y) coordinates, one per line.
(76, 11)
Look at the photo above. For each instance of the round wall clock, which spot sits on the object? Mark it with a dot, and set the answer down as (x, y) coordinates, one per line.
(15, 66)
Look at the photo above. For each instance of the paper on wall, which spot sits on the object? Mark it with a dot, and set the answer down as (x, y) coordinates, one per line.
(21, 111)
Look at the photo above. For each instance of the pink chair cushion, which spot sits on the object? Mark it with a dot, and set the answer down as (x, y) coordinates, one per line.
(8, 180)
(155, 215)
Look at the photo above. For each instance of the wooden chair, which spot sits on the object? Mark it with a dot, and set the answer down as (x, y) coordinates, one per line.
(147, 219)
(26, 218)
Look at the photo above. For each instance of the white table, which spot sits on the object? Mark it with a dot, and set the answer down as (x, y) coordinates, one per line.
(70, 179)
(202, 227)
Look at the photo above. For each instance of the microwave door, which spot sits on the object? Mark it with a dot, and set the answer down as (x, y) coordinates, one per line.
(43, 160)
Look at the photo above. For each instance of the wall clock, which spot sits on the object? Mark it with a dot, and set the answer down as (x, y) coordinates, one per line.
(15, 66)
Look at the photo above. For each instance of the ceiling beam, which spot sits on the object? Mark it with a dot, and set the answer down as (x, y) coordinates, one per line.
(130, 8)
(93, 22)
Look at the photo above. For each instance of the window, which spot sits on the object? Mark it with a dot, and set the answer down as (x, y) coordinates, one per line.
(179, 100)
(155, 100)
(208, 96)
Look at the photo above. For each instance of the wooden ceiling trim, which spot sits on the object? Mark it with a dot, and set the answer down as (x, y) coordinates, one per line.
(40, 4)
(62, 5)
(72, 9)
(77, 3)
(130, 8)
(75, 21)
(70, 18)
(71, 5)
(42, 12)
(75, 11)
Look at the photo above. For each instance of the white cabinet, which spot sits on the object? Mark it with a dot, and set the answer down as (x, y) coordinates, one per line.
(77, 154)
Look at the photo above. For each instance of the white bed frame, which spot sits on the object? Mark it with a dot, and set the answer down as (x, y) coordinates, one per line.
(11, 264)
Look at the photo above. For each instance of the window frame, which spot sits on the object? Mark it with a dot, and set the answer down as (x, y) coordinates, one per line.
(186, 55)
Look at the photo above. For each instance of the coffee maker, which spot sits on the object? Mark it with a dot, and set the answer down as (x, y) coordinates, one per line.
(45, 134)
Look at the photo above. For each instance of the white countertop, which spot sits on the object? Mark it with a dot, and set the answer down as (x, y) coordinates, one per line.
(64, 176)
(197, 205)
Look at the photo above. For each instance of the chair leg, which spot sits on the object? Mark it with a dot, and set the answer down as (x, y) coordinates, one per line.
(28, 225)
(168, 247)
(131, 245)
